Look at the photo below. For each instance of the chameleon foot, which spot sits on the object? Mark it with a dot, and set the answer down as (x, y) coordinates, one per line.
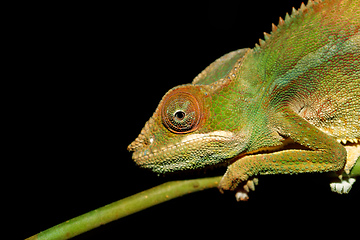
(344, 186)
(242, 193)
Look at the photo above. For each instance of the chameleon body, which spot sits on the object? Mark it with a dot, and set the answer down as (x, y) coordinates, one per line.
(289, 105)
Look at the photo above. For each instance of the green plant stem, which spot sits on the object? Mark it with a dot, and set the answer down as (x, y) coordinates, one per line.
(125, 207)
(135, 203)
(355, 171)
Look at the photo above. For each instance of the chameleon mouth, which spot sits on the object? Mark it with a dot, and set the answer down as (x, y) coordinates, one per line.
(192, 152)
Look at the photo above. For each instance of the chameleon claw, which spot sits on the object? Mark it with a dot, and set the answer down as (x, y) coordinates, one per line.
(242, 194)
(250, 184)
(342, 187)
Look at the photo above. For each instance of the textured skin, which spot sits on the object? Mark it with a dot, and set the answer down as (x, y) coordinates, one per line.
(287, 106)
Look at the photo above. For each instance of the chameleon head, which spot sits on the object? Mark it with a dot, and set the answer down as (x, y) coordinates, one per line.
(180, 135)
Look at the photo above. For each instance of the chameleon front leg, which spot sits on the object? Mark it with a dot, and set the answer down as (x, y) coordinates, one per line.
(320, 153)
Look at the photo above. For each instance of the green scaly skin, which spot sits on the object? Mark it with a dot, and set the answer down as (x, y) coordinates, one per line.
(290, 105)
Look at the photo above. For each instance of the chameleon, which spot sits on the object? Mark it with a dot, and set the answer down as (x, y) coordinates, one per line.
(289, 105)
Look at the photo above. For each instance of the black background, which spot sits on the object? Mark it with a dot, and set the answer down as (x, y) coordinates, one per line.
(88, 77)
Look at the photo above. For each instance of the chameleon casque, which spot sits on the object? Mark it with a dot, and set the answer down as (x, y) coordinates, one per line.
(289, 105)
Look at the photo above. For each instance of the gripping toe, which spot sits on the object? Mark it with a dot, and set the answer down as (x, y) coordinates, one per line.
(344, 186)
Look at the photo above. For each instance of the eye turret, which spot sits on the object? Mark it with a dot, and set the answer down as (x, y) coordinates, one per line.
(181, 112)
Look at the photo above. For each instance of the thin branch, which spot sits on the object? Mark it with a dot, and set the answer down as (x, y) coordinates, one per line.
(355, 171)
(135, 203)
(125, 207)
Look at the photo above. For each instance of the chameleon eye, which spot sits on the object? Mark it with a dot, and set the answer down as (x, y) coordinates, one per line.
(181, 112)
